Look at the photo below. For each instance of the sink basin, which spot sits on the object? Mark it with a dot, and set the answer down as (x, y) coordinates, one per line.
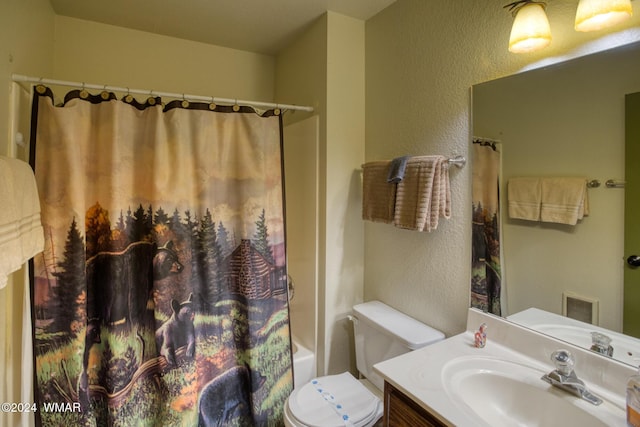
(505, 393)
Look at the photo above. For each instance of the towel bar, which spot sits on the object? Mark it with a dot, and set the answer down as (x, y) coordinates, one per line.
(459, 161)
(612, 183)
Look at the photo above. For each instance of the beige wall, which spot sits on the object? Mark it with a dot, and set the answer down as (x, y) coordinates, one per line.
(301, 78)
(103, 54)
(26, 47)
(325, 68)
(345, 155)
(419, 71)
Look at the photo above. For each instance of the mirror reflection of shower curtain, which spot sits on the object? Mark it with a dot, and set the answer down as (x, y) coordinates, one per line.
(161, 296)
(486, 278)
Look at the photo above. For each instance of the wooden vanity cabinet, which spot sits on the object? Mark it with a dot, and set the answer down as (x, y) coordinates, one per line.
(402, 411)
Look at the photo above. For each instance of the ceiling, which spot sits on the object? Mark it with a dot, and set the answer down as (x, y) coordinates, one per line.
(262, 26)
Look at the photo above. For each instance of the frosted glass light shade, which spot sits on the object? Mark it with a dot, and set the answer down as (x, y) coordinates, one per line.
(593, 15)
(530, 29)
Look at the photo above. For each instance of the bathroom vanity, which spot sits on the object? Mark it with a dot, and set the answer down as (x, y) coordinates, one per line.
(402, 411)
(453, 383)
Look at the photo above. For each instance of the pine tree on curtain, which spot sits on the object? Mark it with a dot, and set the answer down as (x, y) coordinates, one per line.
(161, 296)
(486, 276)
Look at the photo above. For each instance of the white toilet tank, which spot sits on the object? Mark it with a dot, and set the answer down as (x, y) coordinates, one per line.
(381, 333)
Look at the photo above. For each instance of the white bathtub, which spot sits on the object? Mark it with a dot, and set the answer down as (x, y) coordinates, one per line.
(304, 364)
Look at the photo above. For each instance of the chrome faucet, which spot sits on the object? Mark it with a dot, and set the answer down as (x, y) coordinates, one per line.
(564, 377)
(601, 343)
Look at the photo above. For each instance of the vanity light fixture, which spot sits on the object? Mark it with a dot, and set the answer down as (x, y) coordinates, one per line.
(531, 30)
(593, 15)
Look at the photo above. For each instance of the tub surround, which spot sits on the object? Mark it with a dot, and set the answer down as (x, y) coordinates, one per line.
(419, 374)
(304, 363)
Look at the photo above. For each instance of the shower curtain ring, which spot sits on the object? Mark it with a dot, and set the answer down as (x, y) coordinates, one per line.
(83, 93)
(151, 100)
(236, 107)
(128, 98)
(185, 103)
(212, 104)
(40, 88)
(105, 93)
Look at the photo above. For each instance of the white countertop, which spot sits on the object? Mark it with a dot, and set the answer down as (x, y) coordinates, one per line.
(419, 374)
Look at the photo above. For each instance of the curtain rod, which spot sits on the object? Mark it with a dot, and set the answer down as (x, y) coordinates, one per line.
(21, 78)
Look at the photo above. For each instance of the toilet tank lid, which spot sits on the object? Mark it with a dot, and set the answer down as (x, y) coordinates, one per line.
(413, 333)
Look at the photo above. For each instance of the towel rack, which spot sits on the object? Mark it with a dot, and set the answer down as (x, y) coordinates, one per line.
(459, 161)
(610, 183)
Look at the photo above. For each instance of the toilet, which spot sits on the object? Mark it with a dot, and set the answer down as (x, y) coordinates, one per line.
(381, 333)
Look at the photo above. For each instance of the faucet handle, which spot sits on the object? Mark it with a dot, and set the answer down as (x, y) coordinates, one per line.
(601, 343)
(564, 361)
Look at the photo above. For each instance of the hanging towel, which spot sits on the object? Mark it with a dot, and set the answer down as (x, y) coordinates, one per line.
(424, 194)
(397, 169)
(21, 233)
(378, 196)
(524, 195)
(564, 200)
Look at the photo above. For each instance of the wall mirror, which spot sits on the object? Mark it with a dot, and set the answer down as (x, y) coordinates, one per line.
(567, 119)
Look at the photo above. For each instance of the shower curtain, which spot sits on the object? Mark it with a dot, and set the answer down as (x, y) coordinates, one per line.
(486, 276)
(160, 298)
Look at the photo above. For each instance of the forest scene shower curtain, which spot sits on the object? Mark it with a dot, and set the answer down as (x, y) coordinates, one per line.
(161, 296)
(486, 265)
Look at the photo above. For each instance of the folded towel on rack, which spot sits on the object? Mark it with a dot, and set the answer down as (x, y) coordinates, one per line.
(21, 233)
(397, 169)
(424, 195)
(378, 195)
(524, 196)
(564, 199)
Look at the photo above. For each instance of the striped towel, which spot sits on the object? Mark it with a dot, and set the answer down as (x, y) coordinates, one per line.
(378, 195)
(21, 234)
(564, 200)
(524, 196)
(424, 195)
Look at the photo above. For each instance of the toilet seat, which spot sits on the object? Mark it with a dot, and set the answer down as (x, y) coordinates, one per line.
(334, 401)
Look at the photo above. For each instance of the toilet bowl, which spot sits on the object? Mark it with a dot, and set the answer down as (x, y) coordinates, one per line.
(381, 333)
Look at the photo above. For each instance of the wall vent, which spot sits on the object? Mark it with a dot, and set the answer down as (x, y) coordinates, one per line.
(580, 308)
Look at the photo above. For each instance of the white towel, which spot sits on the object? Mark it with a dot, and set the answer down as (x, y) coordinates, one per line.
(524, 196)
(21, 233)
(564, 200)
(424, 195)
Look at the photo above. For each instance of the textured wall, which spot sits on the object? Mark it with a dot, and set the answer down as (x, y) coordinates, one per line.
(419, 70)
